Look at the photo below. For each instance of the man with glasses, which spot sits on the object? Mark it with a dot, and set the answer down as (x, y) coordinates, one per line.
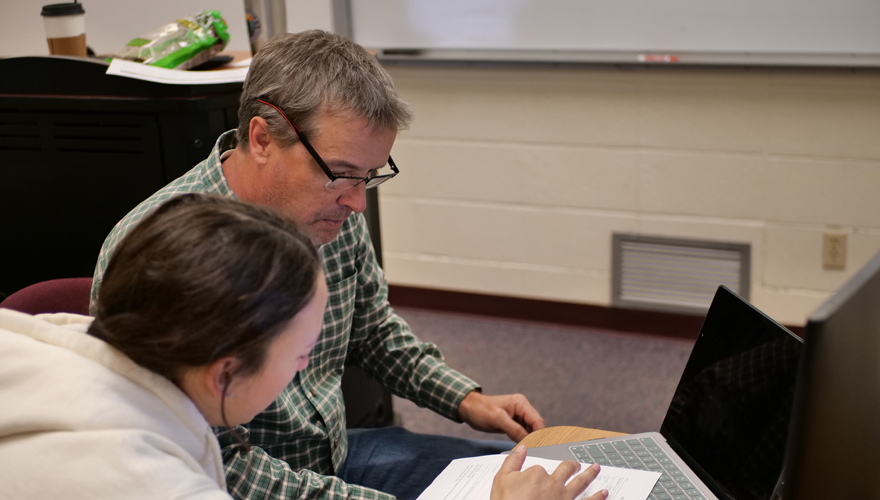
(317, 119)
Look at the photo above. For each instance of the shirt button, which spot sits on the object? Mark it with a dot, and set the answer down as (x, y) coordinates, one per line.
(336, 443)
(314, 392)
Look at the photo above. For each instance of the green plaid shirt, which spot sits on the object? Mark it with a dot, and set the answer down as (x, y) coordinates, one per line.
(300, 440)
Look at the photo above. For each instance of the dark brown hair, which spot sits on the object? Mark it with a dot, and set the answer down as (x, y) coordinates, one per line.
(201, 278)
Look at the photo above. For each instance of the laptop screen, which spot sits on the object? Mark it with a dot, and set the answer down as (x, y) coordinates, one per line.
(730, 414)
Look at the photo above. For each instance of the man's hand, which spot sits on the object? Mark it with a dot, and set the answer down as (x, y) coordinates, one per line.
(535, 484)
(511, 414)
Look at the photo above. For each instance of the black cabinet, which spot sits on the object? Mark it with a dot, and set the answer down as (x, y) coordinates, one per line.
(79, 149)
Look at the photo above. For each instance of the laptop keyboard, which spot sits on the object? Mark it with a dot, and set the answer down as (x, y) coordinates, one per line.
(642, 454)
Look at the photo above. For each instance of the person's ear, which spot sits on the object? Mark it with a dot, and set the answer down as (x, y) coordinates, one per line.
(259, 139)
(221, 376)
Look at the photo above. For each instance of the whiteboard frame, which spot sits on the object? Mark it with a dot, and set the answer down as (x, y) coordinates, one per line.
(630, 57)
(343, 25)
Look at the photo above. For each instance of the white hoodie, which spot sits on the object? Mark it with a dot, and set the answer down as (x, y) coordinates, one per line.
(78, 419)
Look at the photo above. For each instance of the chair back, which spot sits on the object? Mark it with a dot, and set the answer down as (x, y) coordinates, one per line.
(70, 295)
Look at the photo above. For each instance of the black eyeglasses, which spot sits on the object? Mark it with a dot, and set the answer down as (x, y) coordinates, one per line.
(337, 182)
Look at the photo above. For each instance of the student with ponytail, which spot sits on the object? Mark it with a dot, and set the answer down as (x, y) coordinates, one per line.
(210, 308)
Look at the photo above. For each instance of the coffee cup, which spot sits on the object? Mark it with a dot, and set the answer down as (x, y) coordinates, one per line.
(65, 25)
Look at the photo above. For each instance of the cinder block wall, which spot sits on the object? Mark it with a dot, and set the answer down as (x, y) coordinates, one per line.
(513, 180)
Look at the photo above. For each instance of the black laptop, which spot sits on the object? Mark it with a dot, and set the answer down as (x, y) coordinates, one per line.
(724, 434)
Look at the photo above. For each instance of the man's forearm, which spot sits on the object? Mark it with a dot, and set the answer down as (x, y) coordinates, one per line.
(254, 475)
(412, 369)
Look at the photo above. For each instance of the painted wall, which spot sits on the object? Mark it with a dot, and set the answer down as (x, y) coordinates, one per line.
(513, 180)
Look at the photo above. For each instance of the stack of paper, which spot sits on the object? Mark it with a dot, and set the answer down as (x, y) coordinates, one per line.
(471, 479)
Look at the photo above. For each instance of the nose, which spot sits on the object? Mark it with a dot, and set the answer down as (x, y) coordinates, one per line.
(355, 198)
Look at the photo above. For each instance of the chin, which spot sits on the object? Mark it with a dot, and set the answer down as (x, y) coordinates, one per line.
(240, 421)
(322, 237)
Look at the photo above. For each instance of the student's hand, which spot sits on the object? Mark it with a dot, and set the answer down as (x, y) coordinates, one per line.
(535, 484)
(511, 414)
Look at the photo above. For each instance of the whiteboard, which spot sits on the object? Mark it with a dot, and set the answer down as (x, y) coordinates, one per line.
(823, 32)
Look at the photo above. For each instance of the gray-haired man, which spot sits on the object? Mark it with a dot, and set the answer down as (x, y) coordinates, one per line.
(318, 117)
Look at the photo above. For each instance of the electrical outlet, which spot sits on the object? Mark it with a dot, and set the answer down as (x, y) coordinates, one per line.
(834, 251)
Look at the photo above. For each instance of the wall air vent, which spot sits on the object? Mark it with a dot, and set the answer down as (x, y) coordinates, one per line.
(675, 275)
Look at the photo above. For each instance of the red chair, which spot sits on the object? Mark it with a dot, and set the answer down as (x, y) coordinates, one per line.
(70, 295)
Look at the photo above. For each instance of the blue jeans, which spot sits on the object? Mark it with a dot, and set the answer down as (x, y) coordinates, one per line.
(403, 463)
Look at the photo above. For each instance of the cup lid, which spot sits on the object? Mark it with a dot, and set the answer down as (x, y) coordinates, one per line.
(62, 9)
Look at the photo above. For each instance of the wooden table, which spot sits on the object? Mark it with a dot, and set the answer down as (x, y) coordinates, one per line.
(564, 434)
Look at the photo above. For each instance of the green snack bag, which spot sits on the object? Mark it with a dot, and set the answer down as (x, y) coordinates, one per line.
(183, 44)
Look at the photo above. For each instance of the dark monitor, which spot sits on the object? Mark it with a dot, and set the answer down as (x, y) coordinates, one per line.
(833, 449)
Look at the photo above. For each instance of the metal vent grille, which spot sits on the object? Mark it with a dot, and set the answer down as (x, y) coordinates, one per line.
(666, 274)
(75, 133)
(19, 133)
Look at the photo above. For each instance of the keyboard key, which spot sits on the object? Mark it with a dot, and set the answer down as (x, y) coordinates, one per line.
(681, 479)
(658, 454)
(632, 441)
(603, 461)
(643, 454)
(648, 442)
(692, 493)
(638, 448)
(674, 472)
(674, 491)
(665, 477)
(662, 496)
(668, 484)
(680, 497)
(654, 448)
(585, 460)
(658, 489)
(593, 449)
(577, 449)
(617, 462)
(620, 445)
(606, 447)
(612, 456)
(698, 497)
(627, 452)
(687, 485)
(654, 466)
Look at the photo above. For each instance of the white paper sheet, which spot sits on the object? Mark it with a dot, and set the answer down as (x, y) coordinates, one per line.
(241, 64)
(140, 71)
(471, 479)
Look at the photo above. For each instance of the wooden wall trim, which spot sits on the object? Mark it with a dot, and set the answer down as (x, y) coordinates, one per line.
(564, 313)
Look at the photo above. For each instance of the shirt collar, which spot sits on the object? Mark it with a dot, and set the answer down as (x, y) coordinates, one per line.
(212, 175)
